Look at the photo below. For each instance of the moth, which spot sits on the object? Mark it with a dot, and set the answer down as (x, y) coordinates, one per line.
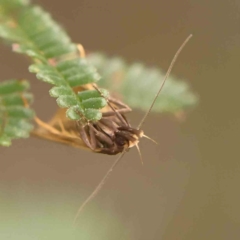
(109, 135)
(112, 134)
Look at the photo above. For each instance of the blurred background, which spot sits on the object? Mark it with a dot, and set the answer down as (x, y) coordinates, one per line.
(188, 187)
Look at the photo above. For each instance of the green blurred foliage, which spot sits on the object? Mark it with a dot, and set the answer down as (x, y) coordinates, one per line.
(36, 216)
(138, 85)
(14, 115)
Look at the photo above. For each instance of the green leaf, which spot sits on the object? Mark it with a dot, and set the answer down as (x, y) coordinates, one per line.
(96, 103)
(33, 32)
(14, 115)
(139, 84)
(93, 114)
(93, 94)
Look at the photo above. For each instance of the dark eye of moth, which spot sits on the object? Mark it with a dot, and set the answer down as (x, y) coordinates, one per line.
(120, 140)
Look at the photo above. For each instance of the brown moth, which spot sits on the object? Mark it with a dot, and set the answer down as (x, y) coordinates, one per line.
(111, 135)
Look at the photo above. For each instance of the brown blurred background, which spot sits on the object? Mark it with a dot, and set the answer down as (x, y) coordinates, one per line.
(188, 187)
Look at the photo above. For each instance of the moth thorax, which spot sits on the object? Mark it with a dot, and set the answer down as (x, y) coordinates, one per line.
(129, 134)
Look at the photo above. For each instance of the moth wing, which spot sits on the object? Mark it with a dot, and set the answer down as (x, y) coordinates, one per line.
(60, 129)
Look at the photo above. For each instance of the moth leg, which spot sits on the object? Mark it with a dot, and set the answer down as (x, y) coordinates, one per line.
(93, 139)
(120, 117)
(124, 106)
(101, 136)
(121, 111)
(90, 141)
(111, 113)
(108, 126)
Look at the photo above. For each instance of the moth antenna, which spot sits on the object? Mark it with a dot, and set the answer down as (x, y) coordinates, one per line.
(150, 138)
(165, 78)
(81, 50)
(139, 152)
(99, 187)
